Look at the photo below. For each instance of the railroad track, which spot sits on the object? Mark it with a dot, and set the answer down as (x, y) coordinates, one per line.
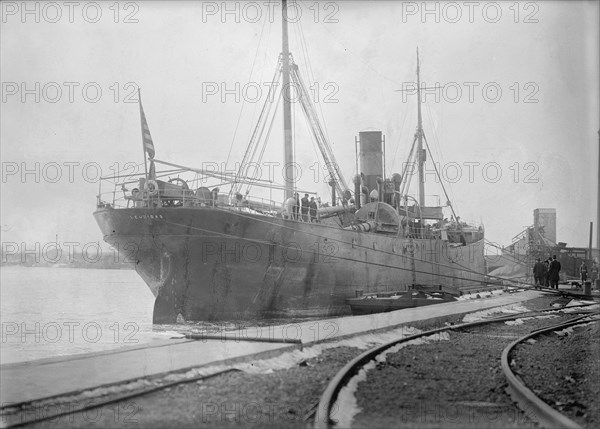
(405, 403)
(523, 395)
(50, 409)
(13, 418)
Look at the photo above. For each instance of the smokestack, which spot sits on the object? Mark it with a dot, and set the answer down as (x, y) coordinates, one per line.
(371, 157)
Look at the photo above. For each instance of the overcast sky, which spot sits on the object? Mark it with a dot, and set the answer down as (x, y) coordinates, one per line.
(515, 128)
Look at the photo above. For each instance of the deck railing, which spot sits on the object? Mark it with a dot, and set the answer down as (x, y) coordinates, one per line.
(120, 197)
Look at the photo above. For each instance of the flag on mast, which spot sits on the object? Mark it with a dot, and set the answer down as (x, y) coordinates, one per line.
(146, 137)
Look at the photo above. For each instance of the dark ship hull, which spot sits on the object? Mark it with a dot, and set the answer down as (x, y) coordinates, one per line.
(211, 263)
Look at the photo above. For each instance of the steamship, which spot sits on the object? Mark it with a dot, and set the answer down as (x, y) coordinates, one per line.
(210, 254)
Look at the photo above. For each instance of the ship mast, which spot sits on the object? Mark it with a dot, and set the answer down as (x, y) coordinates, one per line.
(288, 149)
(420, 157)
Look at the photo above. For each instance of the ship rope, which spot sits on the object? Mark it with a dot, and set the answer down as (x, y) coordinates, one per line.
(249, 80)
(318, 133)
(400, 138)
(257, 133)
(439, 152)
(266, 139)
(404, 186)
(308, 66)
(440, 177)
(260, 135)
(491, 244)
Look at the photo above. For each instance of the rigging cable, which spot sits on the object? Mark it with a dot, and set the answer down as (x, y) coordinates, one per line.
(438, 173)
(310, 73)
(266, 139)
(243, 104)
(440, 153)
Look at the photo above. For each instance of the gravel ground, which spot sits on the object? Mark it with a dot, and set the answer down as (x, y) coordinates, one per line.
(565, 372)
(283, 398)
(456, 383)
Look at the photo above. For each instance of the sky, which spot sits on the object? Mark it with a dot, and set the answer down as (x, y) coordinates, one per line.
(514, 127)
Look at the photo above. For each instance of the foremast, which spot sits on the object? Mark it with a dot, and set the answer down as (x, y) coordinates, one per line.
(288, 149)
(420, 152)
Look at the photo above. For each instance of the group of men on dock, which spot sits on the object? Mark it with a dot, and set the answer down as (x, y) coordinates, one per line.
(547, 273)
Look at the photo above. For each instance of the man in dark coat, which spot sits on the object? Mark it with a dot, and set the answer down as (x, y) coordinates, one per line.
(547, 273)
(304, 208)
(539, 272)
(554, 272)
(313, 209)
(583, 271)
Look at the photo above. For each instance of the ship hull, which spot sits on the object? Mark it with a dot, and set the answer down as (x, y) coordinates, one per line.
(219, 264)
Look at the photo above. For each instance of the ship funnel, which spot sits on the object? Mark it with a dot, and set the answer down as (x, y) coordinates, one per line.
(371, 157)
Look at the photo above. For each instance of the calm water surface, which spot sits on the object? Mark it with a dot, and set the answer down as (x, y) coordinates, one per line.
(47, 312)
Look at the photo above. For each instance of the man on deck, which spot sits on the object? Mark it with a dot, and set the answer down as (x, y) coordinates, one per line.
(313, 209)
(304, 209)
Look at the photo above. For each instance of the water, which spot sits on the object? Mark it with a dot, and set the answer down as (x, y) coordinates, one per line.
(48, 312)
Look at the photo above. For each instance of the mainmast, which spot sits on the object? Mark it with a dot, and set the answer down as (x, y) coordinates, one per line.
(420, 154)
(288, 149)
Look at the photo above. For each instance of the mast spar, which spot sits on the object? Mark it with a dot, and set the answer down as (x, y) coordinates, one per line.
(288, 149)
(420, 157)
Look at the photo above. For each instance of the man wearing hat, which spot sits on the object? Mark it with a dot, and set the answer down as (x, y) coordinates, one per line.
(313, 209)
(554, 272)
(304, 208)
(539, 272)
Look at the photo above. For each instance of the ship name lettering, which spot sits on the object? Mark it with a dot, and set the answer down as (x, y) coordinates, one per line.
(147, 216)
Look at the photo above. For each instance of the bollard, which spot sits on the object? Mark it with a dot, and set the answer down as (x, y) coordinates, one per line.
(587, 288)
